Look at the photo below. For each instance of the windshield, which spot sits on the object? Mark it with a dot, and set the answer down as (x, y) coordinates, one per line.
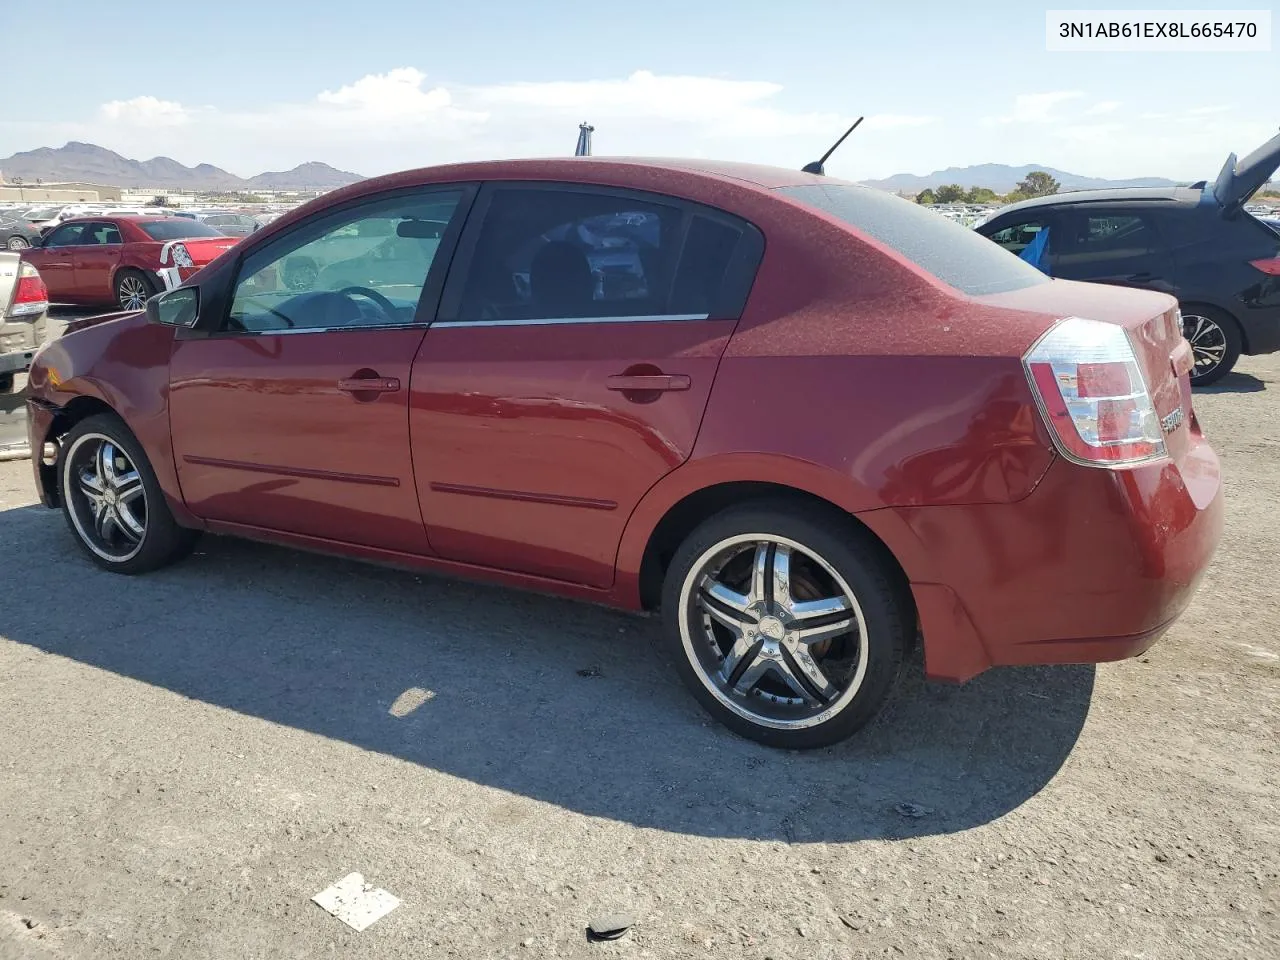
(177, 229)
(954, 254)
(43, 213)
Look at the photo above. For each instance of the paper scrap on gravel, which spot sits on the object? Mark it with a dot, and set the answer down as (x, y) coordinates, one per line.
(354, 902)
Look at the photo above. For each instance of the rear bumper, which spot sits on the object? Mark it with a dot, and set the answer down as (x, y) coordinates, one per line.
(1261, 327)
(1093, 566)
(16, 362)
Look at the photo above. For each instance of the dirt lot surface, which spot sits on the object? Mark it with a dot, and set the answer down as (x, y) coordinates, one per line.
(186, 758)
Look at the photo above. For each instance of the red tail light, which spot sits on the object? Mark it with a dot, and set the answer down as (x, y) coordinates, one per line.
(1268, 265)
(30, 296)
(1086, 378)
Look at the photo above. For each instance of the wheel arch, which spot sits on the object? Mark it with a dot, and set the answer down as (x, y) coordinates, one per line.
(691, 494)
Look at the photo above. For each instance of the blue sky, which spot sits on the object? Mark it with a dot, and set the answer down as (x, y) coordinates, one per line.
(378, 85)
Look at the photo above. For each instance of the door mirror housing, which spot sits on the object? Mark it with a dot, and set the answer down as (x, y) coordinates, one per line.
(175, 308)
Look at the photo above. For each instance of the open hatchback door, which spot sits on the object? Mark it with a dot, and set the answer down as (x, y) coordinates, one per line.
(1240, 180)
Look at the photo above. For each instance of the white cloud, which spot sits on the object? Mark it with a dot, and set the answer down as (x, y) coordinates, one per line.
(145, 110)
(1036, 107)
(397, 93)
(399, 119)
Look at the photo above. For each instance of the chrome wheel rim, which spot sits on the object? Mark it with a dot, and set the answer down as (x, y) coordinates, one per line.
(1208, 342)
(773, 632)
(18, 243)
(133, 293)
(106, 499)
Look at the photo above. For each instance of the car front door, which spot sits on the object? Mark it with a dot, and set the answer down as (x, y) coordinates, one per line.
(97, 260)
(292, 413)
(56, 260)
(569, 369)
(1119, 245)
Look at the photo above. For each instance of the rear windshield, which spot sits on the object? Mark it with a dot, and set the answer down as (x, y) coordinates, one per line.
(178, 229)
(954, 254)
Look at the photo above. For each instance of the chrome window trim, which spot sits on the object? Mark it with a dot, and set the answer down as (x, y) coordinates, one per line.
(549, 321)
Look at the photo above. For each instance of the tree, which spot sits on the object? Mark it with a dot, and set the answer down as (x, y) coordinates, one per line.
(980, 195)
(950, 193)
(926, 196)
(1037, 183)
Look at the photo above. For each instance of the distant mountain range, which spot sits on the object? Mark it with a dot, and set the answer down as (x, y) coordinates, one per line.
(88, 163)
(997, 177)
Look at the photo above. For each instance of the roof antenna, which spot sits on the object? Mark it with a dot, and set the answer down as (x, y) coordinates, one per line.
(816, 167)
(585, 130)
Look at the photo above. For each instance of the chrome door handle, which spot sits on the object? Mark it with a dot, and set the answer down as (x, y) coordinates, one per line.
(369, 385)
(646, 383)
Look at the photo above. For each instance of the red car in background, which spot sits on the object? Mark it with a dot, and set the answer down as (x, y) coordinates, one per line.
(805, 420)
(123, 260)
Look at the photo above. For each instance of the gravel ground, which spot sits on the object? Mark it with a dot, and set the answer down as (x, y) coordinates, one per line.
(188, 757)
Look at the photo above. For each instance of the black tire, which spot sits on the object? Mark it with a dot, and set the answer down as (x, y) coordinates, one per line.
(835, 549)
(6, 383)
(17, 243)
(1213, 334)
(127, 282)
(161, 541)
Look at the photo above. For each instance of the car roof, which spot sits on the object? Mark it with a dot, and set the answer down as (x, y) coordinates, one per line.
(1183, 196)
(131, 217)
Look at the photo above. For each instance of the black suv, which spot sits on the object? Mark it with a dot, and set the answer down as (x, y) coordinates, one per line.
(1195, 242)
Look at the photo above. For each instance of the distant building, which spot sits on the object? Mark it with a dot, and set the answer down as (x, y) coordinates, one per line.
(20, 190)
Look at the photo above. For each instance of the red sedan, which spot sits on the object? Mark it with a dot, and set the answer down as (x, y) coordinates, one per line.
(123, 260)
(807, 421)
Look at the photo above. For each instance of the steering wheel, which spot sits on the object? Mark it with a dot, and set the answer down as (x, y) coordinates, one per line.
(385, 305)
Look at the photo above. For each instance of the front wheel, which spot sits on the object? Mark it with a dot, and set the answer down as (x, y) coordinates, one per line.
(112, 500)
(788, 628)
(1215, 343)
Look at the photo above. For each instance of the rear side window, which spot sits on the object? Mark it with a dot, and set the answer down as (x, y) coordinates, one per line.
(954, 254)
(568, 254)
(178, 229)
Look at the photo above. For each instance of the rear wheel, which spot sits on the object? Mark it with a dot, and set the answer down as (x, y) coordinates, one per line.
(787, 628)
(1215, 342)
(133, 289)
(17, 243)
(112, 500)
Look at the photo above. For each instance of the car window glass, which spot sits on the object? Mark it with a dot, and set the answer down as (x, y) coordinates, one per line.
(1113, 233)
(954, 254)
(562, 254)
(1017, 236)
(365, 267)
(100, 233)
(66, 235)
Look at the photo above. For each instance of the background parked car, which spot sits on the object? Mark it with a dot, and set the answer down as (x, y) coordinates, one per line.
(16, 232)
(24, 307)
(1197, 243)
(100, 261)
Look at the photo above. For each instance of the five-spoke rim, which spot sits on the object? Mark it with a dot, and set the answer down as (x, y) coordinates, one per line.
(773, 631)
(133, 293)
(105, 497)
(1208, 342)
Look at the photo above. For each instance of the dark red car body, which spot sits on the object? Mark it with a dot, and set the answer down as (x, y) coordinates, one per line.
(86, 273)
(853, 377)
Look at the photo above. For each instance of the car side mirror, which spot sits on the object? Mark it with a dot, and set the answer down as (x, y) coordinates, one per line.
(176, 308)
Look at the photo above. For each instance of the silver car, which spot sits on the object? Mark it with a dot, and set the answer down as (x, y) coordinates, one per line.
(24, 316)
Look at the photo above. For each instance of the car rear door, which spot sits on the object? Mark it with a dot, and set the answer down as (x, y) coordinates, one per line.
(569, 369)
(292, 414)
(95, 264)
(1113, 244)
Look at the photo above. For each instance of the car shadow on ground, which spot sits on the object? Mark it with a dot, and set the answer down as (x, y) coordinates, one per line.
(1235, 382)
(566, 703)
